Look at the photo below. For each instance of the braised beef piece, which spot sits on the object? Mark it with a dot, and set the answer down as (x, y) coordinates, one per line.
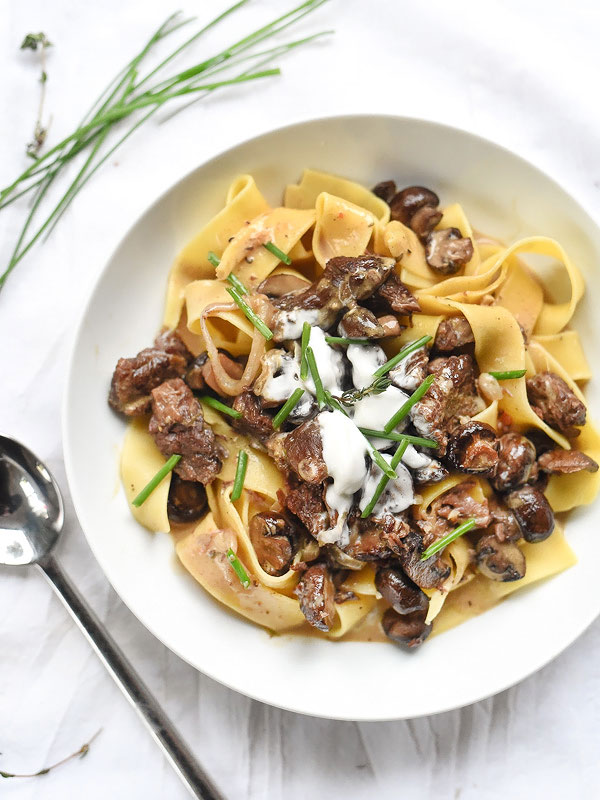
(410, 373)
(396, 296)
(446, 251)
(453, 333)
(565, 462)
(428, 574)
(344, 282)
(516, 462)
(540, 440)
(178, 427)
(360, 323)
(187, 500)
(306, 502)
(473, 448)
(316, 594)
(400, 592)
(405, 204)
(134, 378)
(194, 376)
(385, 190)
(499, 561)
(273, 538)
(343, 595)
(555, 403)
(504, 525)
(375, 538)
(409, 630)
(434, 472)
(453, 394)
(449, 510)
(255, 421)
(301, 450)
(532, 512)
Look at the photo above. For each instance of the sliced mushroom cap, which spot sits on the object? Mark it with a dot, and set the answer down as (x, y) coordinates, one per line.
(390, 325)
(447, 251)
(187, 500)
(271, 536)
(341, 559)
(515, 462)
(385, 190)
(401, 593)
(473, 448)
(316, 594)
(499, 561)
(566, 462)
(407, 629)
(424, 220)
(408, 201)
(532, 512)
(278, 285)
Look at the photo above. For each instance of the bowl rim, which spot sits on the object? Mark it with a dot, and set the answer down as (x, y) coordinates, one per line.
(579, 626)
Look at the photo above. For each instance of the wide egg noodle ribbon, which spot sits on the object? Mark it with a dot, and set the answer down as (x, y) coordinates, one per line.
(349, 614)
(140, 461)
(342, 228)
(244, 202)
(453, 216)
(566, 349)
(230, 330)
(580, 488)
(458, 555)
(522, 294)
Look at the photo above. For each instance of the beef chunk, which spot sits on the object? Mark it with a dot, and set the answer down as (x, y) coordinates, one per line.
(306, 502)
(433, 472)
(375, 538)
(272, 537)
(565, 462)
(187, 500)
(301, 450)
(410, 373)
(178, 427)
(360, 323)
(473, 448)
(134, 378)
(316, 593)
(194, 377)
(428, 574)
(409, 630)
(453, 394)
(400, 592)
(446, 251)
(255, 421)
(450, 509)
(453, 333)
(504, 526)
(555, 403)
(396, 296)
(516, 462)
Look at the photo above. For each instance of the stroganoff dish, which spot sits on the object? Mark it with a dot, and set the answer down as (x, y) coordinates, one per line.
(361, 418)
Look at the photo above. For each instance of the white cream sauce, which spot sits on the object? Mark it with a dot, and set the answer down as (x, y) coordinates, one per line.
(284, 376)
(415, 460)
(290, 323)
(330, 364)
(365, 359)
(405, 375)
(397, 496)
(375, 410)
(344, 453)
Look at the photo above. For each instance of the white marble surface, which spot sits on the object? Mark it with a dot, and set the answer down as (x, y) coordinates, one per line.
(523, 72)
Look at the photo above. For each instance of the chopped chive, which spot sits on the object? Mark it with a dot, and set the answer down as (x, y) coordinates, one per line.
(153, 482)
(448, 539)
(333, 403)
(219, 406)
(508, 374)
(312, 365)
(405, 408)
(236, 283)
(272, 248)
(254, 318)
(384, 480)
(406, 351)
(287, 407)
(305, 341)
(399, 437)
(213, 258)
(238, 568)
(240, 474)
(346, 340)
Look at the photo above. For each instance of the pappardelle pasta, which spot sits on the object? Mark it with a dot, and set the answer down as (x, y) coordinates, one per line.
(361, 416)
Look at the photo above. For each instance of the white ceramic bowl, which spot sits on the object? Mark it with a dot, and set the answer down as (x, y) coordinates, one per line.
(504, 196)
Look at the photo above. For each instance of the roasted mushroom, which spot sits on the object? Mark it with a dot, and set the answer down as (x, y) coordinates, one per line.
(407, 629)
(447, 251)
(499, 561)
(565, 462)
(385, 190)
(473, 448)
(316, 592)
(400, 592)
(187, 500)
(553, 401)
(516, 460)
(424, 220)
(272, 535)
(453, 333)
(408, 201)
(532, 512)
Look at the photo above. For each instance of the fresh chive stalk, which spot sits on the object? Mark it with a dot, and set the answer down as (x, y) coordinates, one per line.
(238, 568)
(399, 437)
(219, 406)
(237, 284)
(312, 365)
(284, 412)
(213, 258)
(272, 248)
(240, 475)
(508, 374)
(305, 341)
(406, 351)
(254, 318)
(167, 467)
(405, 408)
(384, 480)
(346, 340)
(448, 539)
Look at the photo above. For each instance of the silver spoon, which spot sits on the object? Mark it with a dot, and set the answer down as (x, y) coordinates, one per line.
(31, 519)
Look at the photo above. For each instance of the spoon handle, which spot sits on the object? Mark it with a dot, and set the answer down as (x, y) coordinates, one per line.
(138, 694)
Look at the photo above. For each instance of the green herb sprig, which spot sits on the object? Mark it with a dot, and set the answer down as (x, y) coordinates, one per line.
(287, 408)
(352, 396)
(406, 351)
(219, 406)
(405, 408)
(385, 479)
(304, 344)
(238, 568)
(399, 437)
(162, 473)
(240, 475)
(448, 539)
(508, 375)
(272, 248)
(249, 313)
